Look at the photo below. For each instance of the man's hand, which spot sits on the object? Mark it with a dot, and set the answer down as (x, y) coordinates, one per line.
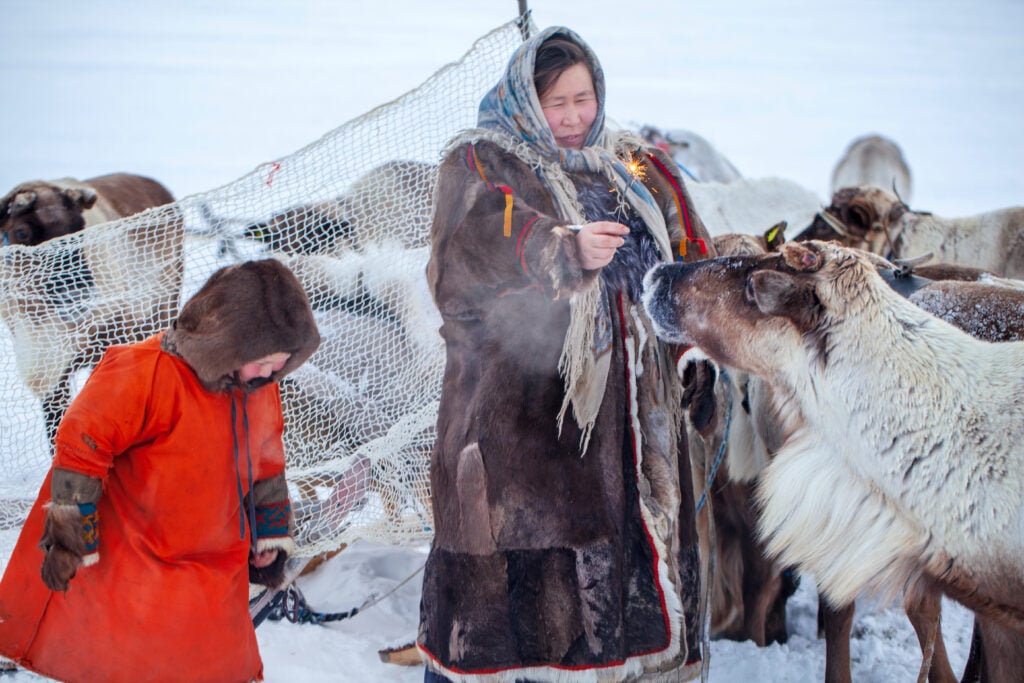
(598, 241)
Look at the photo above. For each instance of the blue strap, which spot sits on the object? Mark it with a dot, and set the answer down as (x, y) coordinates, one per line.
(721, 446)
(238, 473)
(248, 460)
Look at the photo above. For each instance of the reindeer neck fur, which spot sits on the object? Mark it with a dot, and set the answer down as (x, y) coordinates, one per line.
(983, 241)
(902, 440)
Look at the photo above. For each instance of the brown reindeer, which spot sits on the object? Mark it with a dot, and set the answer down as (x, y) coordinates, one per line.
(878, 221)
(67, 292)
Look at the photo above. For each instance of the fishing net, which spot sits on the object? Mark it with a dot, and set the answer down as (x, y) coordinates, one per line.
(350, 215)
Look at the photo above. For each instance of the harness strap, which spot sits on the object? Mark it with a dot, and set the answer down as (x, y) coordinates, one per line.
(903, 283)
(721, 447)
(290, 604)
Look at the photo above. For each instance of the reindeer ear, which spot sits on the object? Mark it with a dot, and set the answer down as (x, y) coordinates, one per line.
(775, 292)
(775, 236)
(83, 197)
(21, 203)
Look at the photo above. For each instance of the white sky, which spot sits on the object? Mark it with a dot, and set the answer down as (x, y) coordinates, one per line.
(197, 94)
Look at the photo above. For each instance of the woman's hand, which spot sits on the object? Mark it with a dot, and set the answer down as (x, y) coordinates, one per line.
(263, 559)
(598, 241)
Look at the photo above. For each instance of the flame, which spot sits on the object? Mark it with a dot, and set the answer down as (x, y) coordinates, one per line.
(636, 168)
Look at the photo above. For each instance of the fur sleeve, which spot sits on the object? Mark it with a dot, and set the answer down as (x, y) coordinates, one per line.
(495, 229)
(108, 415)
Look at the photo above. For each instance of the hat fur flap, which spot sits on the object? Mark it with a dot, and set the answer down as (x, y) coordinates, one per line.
(244, 312)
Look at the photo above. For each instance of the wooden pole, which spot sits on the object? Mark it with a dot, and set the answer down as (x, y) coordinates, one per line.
(524, 19)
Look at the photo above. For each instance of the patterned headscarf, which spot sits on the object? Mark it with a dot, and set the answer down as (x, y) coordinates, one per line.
(512, 110)
(513, 106)
(510, 115)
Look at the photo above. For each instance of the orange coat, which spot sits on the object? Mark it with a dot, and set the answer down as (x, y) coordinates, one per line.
(168, 599)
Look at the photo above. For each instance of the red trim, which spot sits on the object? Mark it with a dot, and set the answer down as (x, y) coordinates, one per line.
(533, 286)
(524, 235)
(471, 161)
(636, 464)
(525, 667)
(683, 348)
(687, 226)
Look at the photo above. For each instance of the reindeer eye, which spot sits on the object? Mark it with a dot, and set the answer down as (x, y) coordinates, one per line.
(748, 290)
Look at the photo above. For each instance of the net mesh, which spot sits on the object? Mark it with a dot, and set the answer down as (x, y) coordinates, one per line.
(350, 215)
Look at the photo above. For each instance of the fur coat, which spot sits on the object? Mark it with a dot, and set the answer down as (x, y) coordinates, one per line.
(552, 561)
(161, 439)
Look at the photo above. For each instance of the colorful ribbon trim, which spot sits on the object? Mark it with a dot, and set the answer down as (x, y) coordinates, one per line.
(684, 213)
(272, 519)
(474, 162)
(90, 526)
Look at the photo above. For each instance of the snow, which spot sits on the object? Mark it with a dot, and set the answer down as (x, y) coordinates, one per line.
(197, 94)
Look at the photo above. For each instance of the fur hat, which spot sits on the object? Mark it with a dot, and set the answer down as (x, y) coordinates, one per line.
(243, 313)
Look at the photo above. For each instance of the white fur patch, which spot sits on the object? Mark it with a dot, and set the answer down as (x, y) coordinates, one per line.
(285, 543)
(911, 449)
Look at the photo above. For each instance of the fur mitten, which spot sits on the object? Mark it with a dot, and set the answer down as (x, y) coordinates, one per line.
(271, 576)
(71, 531)
(69, 541)
(272, 528)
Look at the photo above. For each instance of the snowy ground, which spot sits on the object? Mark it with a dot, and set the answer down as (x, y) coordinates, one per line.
(197, 94)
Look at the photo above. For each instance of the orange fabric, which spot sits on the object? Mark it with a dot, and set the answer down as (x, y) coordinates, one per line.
(168, 599)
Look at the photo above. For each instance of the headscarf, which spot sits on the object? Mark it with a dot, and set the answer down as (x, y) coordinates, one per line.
(513, 105)
(510, 115)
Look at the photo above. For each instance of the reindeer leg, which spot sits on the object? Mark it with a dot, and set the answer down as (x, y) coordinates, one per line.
(760, 591)
(837, 624)
(924, 609)
(762, 583)
(975, 666)
(775, 620)
(1000, 651)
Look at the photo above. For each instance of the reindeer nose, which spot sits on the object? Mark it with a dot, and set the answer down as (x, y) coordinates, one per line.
(652, 279)
(658, 283)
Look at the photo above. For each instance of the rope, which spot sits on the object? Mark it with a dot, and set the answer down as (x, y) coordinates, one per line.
(725, 440)
(709, 595)
(290, 604)
(705, 666)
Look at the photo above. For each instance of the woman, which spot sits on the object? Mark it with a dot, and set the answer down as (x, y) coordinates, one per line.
(166, 496)
(565, 543)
